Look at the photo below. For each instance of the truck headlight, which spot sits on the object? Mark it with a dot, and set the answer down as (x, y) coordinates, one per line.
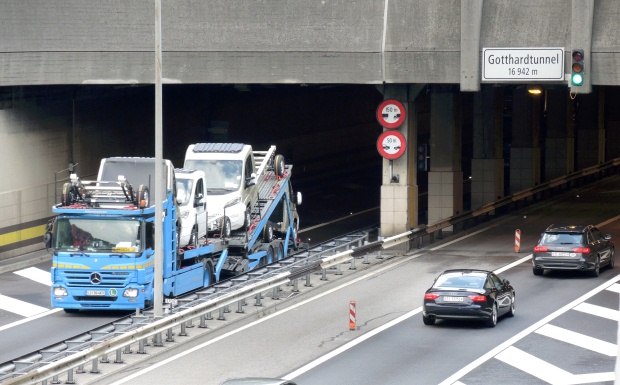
(60, 291)
(130, 293)
(184, 214)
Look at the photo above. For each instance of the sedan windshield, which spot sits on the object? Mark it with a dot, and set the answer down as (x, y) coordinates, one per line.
(97, 235)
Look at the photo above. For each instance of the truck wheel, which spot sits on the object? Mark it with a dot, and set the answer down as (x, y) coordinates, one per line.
(209, 279)
(279, 165)
(225, 227)
(267, 232)
(269, 256)
(143, 195)
(279, 251)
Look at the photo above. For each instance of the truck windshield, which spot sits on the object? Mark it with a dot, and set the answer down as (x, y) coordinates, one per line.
(97, 235)
(219, 174)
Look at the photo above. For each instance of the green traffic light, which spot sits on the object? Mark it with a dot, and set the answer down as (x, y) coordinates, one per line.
(577, 79)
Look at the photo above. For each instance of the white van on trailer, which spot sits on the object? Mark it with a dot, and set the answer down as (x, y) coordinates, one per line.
(192, 204)
(231, 172)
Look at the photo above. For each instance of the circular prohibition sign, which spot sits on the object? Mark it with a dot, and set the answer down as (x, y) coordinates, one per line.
(391, 113)
(391, 144)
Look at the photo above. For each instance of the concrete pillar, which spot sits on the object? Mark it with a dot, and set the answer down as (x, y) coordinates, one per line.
(399, 190)
(525, 149)
(559, 141)
(445, 177)
(487, 164)
(589, 131)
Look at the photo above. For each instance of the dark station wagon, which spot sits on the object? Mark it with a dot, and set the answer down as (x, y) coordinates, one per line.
(573, 247)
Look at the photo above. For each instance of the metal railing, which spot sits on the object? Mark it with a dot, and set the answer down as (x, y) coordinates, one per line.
(120, 336)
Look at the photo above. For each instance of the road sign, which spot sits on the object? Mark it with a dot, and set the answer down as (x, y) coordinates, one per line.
(522, 64)
(391, 113)
(391, 144)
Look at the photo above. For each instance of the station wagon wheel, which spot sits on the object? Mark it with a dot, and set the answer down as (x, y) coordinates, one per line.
(597, 267)
(491, 322)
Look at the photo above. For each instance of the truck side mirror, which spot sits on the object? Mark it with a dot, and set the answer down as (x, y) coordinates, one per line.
(198, 200)
(47, 239)
(251, 181)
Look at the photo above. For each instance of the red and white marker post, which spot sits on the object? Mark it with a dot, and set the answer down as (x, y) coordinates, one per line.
(352, 311)
(517, 240)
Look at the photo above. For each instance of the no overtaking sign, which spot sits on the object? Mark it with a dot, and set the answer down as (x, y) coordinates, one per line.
(391, 114)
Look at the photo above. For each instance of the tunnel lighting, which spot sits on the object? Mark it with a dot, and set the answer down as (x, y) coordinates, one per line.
(535, 90)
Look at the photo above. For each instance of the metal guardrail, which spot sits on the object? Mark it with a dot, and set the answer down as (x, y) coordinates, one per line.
(73, 355)
(218, 297)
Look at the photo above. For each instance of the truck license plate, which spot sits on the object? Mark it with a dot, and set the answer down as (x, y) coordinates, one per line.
(97, 293)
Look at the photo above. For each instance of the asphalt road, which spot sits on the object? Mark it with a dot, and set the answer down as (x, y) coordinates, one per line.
(556, 336)
(313, 325)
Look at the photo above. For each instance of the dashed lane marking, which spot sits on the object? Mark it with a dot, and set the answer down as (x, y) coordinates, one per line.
(578, 339)
(546, 371)
(22, 308)
(36, 275)
(599, 311)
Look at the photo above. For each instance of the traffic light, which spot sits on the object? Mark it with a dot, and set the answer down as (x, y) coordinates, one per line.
(422, 159)
(578, 67)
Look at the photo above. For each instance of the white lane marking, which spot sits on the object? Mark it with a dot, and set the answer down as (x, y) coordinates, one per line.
(546, 371)
(533, 366)
(511, 341)
(36, 275)
(23, 321)
(578, 339)
(615, 288)
(599, 311)
(280, 312)
(22, 308)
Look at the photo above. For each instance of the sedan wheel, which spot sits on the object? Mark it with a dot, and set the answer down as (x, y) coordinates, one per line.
(612, 259)
(427, 320)
(537, 271)
(491, 322)
(511, 312)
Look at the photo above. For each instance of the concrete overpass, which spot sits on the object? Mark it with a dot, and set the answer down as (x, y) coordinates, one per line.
(428, 55)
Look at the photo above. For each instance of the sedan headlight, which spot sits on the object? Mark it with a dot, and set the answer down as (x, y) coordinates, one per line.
(130, 293)
(60, 291)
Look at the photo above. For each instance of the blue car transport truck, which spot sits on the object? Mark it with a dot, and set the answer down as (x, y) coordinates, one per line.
(102, 239)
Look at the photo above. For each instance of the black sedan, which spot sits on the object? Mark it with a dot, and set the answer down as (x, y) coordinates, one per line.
(467, 294)
(573, 247)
